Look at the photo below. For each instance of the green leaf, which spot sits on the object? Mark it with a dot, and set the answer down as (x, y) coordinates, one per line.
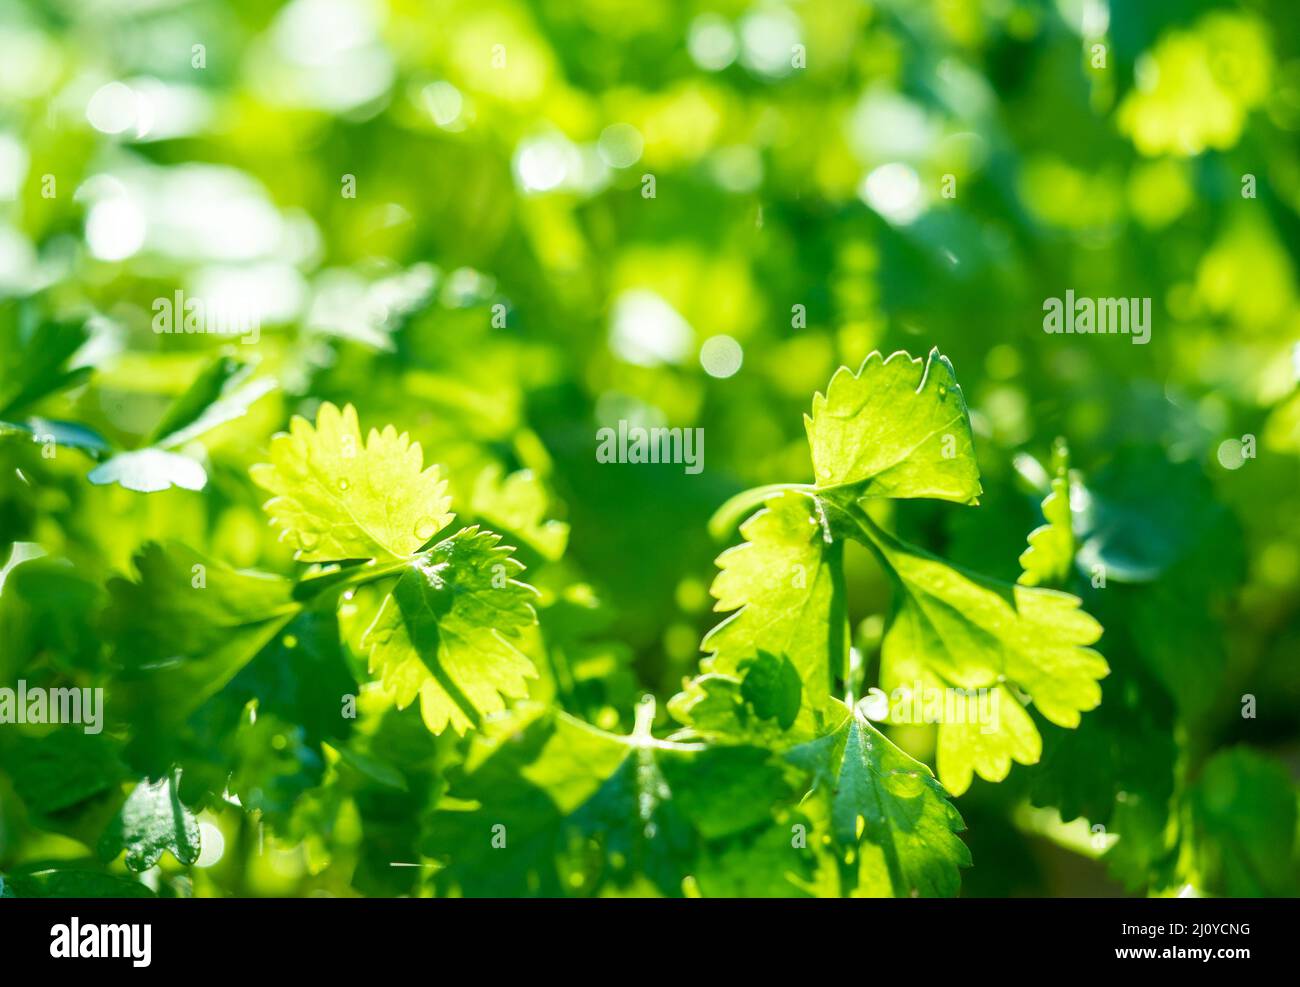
(888, 816)
(517, 504)
(72, 882)
(220, 393)
(562, 807)
(951, 629)
(151, 821)
(448, 631)
(47, 610)
(897, 428)
(1050, 555)
(771, 686)
(762, 704)
(34, 356)
(779, 583)
(336, 499)
(179, 635)
(767, 863)
(60, 769)
(188, 605)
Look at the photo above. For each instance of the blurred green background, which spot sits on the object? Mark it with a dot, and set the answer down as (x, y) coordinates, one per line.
(441, 213)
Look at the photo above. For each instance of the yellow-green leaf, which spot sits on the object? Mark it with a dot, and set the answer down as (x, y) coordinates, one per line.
(447, 632)
(952, 629)
(1047, 560)
(897, 428)
(779, 585)
(338, 499)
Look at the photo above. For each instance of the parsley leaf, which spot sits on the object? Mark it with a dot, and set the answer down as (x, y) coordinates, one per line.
(888, 816)
(448, 632)
(896, 428)
(779, 583)
(338, 499)
(956, 630)
(563, 807)
(1050, 555)
(152, 820)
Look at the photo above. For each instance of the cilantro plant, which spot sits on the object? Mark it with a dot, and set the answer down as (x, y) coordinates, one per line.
(320, 574)
(287, 699)
(898, 428)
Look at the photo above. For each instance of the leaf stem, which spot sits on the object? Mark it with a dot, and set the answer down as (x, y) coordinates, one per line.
(730, 514)
(312, 586)
(838, 652)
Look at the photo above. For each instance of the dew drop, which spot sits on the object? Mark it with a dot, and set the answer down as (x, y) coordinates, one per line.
(943, 391)
(343, 484)
(425, 528)
(308, 540)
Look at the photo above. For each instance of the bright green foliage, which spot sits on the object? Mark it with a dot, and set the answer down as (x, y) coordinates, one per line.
(232, 679)
(153, 820)
(887, 808)
(949, 630)
(336, 499)
(449, 276)
(1050, 555)
(897, 428)
(956, 630)
(447, 632)
(577, 808)
(779, 583)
